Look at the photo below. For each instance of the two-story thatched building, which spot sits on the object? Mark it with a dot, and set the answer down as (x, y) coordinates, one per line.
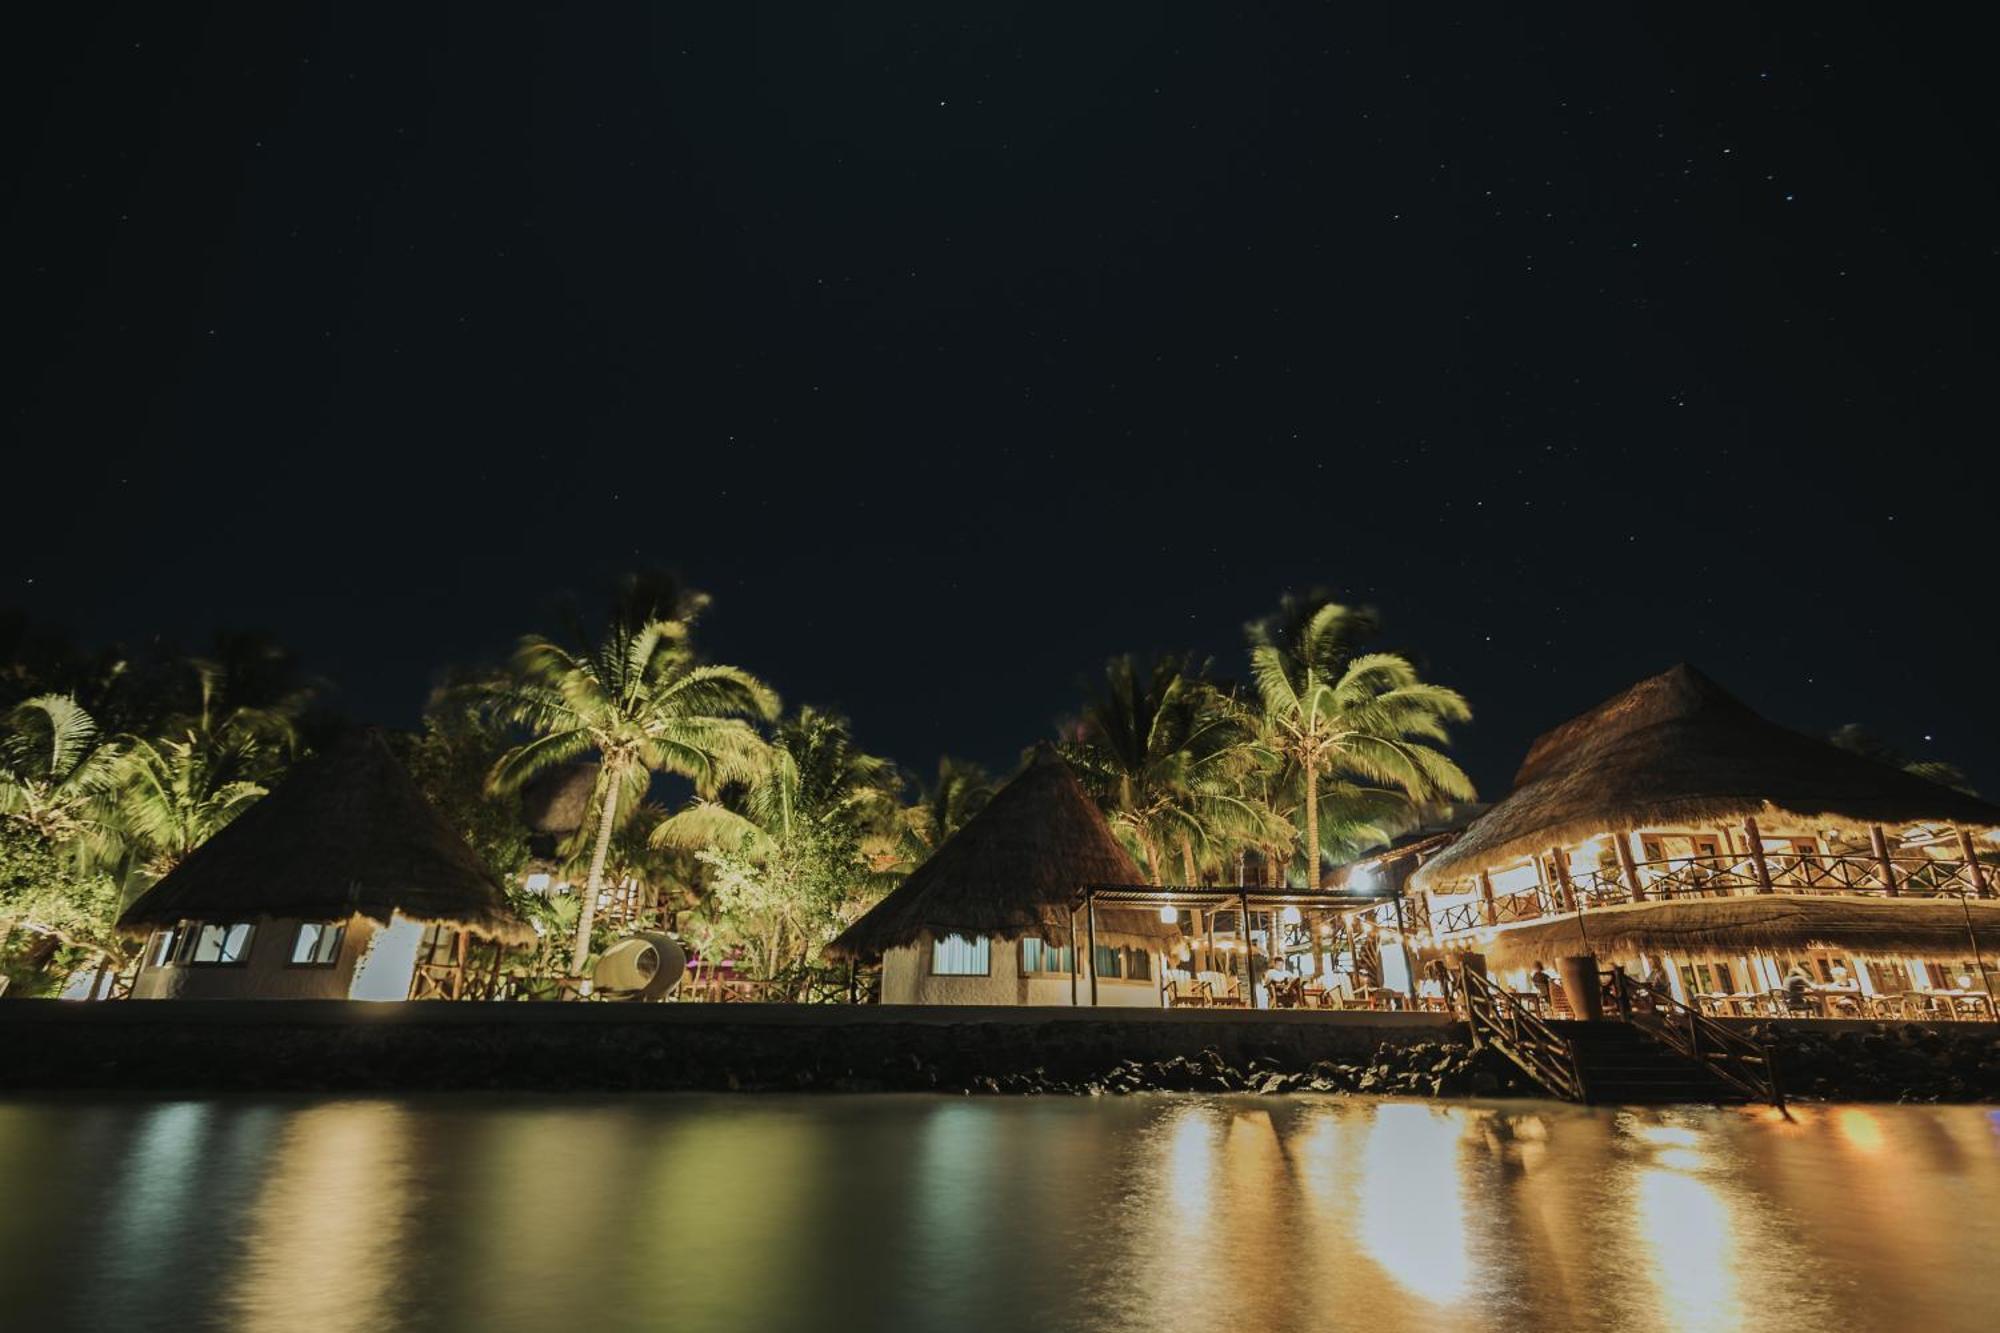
(1672, 828)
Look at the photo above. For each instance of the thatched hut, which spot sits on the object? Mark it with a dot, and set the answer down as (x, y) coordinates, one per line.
(1719, 845)
(343, 882)
(987, 918)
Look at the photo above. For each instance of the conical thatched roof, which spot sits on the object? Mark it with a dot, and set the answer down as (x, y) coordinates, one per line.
(1936, 927)
(1678, 750)
(346, 832)
(1014, 869)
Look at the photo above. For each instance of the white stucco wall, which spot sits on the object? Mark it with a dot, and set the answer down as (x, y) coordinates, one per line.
(267, 974)
(907, 979)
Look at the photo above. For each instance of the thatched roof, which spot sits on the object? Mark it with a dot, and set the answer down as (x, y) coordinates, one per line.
(1678, 750)
(346, 832)
(1927, 926)
(1014, 869)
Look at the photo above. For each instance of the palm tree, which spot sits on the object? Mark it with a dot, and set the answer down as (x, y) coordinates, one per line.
(1167, 756)
(1354, 725)
(177, 789)
(638, 699)
(55, 772)
(943, 807)
(800, 841)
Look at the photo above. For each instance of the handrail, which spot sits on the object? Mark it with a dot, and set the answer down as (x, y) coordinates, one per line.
(1746, 1065)
(1497, 1018)
(1731, 875)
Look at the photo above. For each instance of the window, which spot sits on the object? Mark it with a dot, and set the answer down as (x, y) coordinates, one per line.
(956, 956)
(439, 947)
(165, 943)
(1110, 961)
(318, 944)
(1138, 965)
(221, 945)
(1041, 958)
(1707, 979)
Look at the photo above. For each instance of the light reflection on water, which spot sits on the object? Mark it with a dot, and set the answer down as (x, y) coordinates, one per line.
(904, 1212)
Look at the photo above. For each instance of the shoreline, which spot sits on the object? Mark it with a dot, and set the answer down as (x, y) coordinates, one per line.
(339, 1046)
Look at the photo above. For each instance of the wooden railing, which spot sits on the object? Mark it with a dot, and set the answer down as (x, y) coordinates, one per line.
(1744, 1064)
(1723, 877)
(1499, 1020)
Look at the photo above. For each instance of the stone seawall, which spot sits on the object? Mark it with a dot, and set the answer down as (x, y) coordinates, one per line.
(335, 1046)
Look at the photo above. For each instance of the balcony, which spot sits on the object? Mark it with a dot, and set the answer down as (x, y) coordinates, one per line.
(1726, 876)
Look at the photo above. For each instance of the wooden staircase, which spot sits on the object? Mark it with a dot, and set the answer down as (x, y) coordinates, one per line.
(1657, 1051)
(1621, 1064)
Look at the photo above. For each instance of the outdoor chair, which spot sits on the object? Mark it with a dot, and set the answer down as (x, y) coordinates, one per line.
(1183, 991)
(1918, 1005)
(1795, 1003)
(1223, 991)
(1335, 996)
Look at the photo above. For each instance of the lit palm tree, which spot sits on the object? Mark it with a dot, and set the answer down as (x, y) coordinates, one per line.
(943, 808)
(813, 826)
(640, 701)
(177, 789)
(1167, 756)
(55, 772)
(1354, 725)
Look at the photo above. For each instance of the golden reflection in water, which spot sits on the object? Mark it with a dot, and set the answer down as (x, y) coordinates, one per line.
(326, 1240)
(1178, 1212)
(1412, 1216)
(1859, 1127)
(1686, 1230)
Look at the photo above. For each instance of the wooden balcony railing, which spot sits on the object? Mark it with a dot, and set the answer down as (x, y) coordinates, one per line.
(1725, 876)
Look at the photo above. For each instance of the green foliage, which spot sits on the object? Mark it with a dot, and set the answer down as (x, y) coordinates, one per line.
(450, 760)
(792, 855)
(45, 894)
(176, 789)
(1361, 730)
(1170, 757)
(944, 806)
(637, 698)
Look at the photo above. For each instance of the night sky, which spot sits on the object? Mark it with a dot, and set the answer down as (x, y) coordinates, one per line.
(954, 355)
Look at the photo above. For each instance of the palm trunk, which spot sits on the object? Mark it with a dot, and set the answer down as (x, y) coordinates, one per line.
(586, 916)
(1187, 862)
(1312, 826)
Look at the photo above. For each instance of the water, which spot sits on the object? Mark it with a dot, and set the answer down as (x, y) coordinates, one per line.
(1151, 1213)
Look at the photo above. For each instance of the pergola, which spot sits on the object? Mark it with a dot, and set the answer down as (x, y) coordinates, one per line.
(1205, 897)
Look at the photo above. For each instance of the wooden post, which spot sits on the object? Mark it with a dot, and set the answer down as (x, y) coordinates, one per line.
(1208, 932)
(1319, 949)
(1090, 921)
(1628, 868)
(1879, 844)
(458, 967)
(1756, 842)
(1567, 892)
(1249, 967)
(1486, 898)
(1072, 957)
(1409, 958)
(1975, 874)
